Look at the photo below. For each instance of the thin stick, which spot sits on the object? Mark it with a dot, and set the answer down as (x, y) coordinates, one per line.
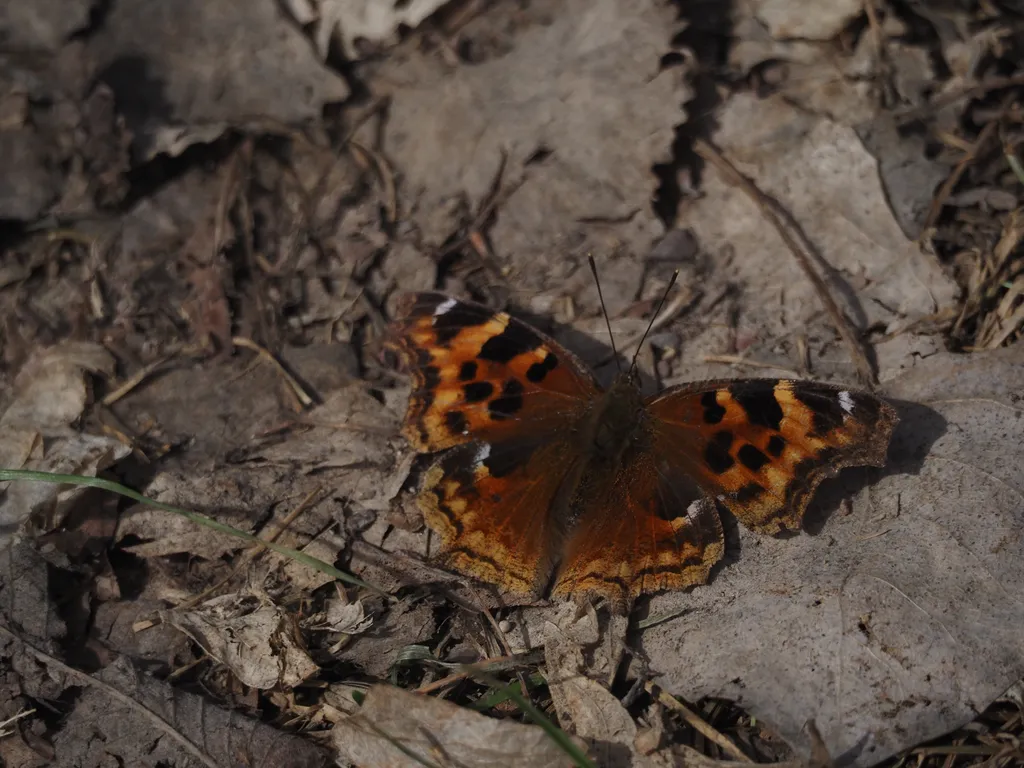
(698, 723)
(800, 247)
(494, 664)
(304, 398)
(253, 552)
(136, 379)
(954, 178)
(738, 360)
(972, 91)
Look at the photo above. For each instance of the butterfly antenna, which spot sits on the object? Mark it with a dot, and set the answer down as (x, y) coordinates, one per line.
(664, 297)
(604, 311)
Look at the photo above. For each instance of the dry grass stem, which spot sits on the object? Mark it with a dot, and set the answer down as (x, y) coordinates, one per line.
(304, 398)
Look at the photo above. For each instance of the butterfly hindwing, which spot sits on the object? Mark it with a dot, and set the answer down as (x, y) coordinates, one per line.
(646, 529)
(491, 509)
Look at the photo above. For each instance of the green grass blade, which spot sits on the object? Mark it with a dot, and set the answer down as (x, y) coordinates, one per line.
(195, 517)
(556, 734)
(500, 695)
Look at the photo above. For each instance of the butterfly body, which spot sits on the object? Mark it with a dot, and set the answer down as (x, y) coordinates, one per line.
(552, 484)
(618, 422)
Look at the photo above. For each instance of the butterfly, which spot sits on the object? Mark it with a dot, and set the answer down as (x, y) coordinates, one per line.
(549, 484)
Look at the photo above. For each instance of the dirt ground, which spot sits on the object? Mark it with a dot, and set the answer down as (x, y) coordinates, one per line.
(207, 211)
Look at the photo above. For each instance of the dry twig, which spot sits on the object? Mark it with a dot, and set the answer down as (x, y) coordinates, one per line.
(954, 178)
(697, 723)
(801, 248)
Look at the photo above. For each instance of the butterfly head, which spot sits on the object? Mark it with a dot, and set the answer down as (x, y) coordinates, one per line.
(627, 380)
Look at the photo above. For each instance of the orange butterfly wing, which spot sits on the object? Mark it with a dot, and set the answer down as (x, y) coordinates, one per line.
(760, 447)
(506, 398)
(646, 529)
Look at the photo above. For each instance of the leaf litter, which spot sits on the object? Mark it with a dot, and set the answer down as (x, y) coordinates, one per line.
(497, 148)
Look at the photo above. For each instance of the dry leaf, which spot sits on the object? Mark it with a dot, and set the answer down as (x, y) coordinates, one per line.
(257, 642)
(819, 76)
(562, 107)
(268, 72)
(440, 733)
(347, 618)
(50, 393)
(369, 21)
(377, 649)
(181, 729)
(820, 172)
(806, 19)
(585, 707)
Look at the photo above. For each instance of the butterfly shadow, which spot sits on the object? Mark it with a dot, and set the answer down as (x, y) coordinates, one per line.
(916, 432)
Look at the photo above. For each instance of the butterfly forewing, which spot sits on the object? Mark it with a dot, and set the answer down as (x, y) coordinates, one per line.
(482, 376)
(762, 446)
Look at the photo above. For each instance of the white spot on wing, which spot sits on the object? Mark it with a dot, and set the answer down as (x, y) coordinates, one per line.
(481, 454)
(845, 401)
(444, 307)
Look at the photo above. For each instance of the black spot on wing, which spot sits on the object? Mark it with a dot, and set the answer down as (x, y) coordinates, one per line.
(713, 412)
(455, 422)
(431, 377)
(716, 454)
(538, 371)
(478, 391)
(758, 400)
(449, 324)
(826, 412)
(468, 371)
(776, 445)
(515, 340)
(509, 457)
(751, 458)
(509, 402)
(748, 493)
(866, 408)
